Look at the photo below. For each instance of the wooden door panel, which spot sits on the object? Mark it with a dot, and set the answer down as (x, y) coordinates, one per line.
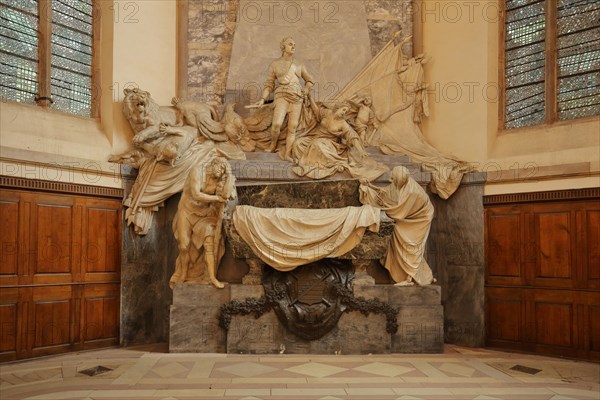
(554, 237)
(504, 317)
(9, 219)
(10, 329)
(593, 328)
(101, 253)
(52, 320)
(503, 247)
(591, 272)
(54, 242)
(554, 324)
(46, 307)
(100, 315)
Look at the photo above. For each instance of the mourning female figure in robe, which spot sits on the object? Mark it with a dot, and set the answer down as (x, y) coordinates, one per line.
(405, 201)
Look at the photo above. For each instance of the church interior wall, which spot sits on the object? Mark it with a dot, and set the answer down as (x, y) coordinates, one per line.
(140, 48)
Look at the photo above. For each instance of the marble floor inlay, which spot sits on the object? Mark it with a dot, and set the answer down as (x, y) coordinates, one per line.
(146, 373)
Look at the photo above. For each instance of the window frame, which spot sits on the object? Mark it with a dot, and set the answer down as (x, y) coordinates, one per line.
(551, 73)
(44, 62)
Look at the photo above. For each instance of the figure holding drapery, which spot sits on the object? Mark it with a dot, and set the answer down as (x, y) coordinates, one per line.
(405, 201)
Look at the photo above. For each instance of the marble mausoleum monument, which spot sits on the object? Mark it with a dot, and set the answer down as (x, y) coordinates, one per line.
(305, 225)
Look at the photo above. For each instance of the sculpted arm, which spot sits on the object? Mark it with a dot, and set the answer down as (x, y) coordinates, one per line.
(309, 81)
(196, 181)
(269, 85)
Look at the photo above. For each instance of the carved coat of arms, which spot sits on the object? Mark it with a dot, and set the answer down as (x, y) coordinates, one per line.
(311, 306)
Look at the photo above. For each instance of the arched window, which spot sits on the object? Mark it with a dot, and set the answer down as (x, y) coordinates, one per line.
(551, 51)
(47, 53)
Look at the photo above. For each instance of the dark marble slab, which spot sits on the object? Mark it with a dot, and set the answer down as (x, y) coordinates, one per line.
(194, 324)
(311, 194)
(268, 168)
(456, 254)
(209, 21)
(430, 295)
(205, 69)
(399, 9)
(385, 18)
(421, 330)
(147, 265)
(381, 31)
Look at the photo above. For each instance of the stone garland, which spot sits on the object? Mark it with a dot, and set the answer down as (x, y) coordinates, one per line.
(367, 307)
(262, 305)
(251, 305)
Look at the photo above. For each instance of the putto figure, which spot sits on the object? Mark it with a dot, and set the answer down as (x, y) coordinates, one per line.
(283, 79)
(365, 123)
(198, 222)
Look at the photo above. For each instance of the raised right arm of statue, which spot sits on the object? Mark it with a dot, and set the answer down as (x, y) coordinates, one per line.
(196, 180)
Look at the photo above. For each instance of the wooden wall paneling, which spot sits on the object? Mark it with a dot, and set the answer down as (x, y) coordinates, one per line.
(505, 318)
(555, 241)
(504, 245)
(9, 248)
(100, 315)
(26, 241)
(592, 329)
(51, 320)
(554, 321)
(530, 249)
(590, 246)
(101, 241)
(10, 324)
(77, 240)
(558, 302)
(55, 239)
(44, 303)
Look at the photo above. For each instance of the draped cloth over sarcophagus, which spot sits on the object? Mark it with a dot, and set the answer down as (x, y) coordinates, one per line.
(286, 238)
(399, 100)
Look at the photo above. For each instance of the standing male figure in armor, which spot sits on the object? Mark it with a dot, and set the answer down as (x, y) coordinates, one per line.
(289, 94)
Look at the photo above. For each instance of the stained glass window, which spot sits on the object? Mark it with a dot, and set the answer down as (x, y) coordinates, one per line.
(72, 55)
(19, 50)
(578, 58)
(70, 59)
(531, 28)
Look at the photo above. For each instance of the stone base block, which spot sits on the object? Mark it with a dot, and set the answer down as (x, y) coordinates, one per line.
(195, 326)
(354, 334)
(420, 330)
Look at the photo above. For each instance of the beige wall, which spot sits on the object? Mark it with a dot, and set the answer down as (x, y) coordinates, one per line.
(462, 38)
(138, 48)
(144, 56)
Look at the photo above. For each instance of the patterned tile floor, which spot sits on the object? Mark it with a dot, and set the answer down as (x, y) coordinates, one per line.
(150, 373)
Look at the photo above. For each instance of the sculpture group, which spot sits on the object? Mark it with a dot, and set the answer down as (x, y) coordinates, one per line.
(185, 148)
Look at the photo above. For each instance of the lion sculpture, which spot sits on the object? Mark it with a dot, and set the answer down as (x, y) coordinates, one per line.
(164, 132)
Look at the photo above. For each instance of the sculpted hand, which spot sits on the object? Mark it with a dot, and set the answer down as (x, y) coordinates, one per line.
(363, 181)
(307, 87)
(162, 128)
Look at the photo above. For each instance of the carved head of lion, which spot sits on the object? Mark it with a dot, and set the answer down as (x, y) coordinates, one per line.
(140, 109)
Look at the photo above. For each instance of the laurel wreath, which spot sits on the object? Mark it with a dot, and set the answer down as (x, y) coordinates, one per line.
(262, 305)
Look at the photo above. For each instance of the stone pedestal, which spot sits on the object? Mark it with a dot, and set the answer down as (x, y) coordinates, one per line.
(195, 324)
